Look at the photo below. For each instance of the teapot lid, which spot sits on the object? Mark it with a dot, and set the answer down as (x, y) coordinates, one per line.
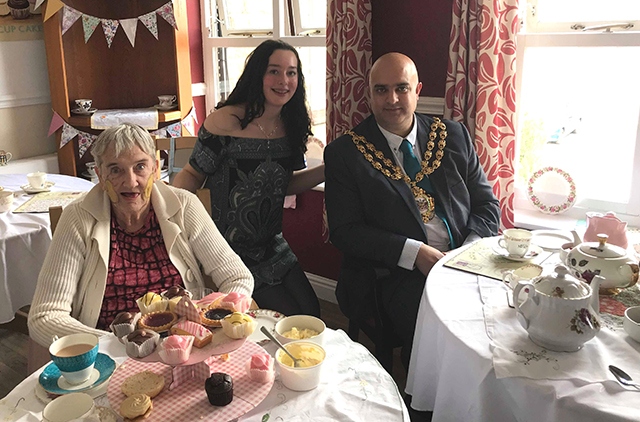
(562, 285)
(601, 249)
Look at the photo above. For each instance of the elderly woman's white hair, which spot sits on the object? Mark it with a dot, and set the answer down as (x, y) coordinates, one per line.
(123, 137)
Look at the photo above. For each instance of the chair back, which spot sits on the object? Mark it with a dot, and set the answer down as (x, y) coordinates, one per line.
(179, 147)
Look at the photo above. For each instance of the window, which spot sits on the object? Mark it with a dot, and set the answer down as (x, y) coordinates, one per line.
(233, 28)
(579, 105)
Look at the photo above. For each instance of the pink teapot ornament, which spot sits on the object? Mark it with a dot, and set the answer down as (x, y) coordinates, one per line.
(608, 224)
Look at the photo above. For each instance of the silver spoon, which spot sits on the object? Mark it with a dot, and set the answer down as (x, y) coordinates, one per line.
(623, 377)
(265, 331)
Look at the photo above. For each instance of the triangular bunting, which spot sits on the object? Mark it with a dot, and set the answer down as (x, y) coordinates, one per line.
(56, 123)
(68, 133)
(69, 17)
(109, 26)
(166, 12)
(161, 133)
(52, 7)
(189, 124)
(85, 140)
(151, 22)
(89, 24)
(174, 130)
(129, 26)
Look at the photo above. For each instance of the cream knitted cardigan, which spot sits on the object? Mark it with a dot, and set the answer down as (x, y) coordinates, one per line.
(71, 284)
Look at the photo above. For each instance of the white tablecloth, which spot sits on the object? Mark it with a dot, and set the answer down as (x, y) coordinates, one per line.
(451, 370)
(24, 241)
(353, 387)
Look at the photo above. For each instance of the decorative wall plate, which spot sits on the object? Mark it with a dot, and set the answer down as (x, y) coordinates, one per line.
(556, 174)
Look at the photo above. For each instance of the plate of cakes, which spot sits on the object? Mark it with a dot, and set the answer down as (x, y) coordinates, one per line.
(173, 329)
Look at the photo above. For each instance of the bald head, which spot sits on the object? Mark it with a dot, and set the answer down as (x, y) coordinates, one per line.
(394, 89)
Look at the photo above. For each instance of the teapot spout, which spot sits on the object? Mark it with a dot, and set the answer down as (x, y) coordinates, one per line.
(595, 289)
(576, 238)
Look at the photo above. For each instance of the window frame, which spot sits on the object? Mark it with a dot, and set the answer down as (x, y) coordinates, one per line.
(525, 213)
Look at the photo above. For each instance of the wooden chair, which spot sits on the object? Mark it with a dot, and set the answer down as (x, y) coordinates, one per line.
(181, 146)
(377, 326)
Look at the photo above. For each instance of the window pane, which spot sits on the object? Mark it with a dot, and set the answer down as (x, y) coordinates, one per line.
(313, 13)
(254, 15)
(579, 109)
(585, 11)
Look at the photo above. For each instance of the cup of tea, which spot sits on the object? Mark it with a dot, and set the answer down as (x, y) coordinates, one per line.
(5, 157)
(75, 356)
(6, 200)
(84, 103)
(37, 179)
(166, 100)
(91, 168)
(71, 407)
(516, 241)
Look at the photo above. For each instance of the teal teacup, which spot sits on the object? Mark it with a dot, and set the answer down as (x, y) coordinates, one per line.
(75, 355)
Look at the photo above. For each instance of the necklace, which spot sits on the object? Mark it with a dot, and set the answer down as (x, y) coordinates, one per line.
(425, 202)
(266, 135)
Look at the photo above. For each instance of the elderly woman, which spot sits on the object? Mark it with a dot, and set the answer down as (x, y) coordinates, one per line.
(128, 236)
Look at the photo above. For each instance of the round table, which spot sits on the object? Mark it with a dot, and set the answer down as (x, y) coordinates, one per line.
(353, 387)
(24, 241)
(451, 371)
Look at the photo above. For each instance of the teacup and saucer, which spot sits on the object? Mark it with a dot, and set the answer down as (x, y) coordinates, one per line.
(515, 245)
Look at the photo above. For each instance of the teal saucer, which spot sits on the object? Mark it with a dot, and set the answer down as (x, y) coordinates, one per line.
(53, 382)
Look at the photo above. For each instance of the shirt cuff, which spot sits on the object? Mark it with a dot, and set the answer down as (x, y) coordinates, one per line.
(409, 253)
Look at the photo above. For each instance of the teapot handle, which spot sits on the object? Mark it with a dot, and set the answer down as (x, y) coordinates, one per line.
(635, 270)
(531, 292)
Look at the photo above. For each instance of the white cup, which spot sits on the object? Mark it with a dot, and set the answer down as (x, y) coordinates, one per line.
(91, 168)
(84, 103)
(71, 407)
(166, 100)
(6, 200)
(37, 179)
(524, 273)
(516, 241)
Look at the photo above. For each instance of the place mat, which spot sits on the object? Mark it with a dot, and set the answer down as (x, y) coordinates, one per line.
(515, 355)
(41, 202)
(188, 401)
(481, 259)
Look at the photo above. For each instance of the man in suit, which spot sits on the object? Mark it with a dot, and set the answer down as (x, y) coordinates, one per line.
(385, 219)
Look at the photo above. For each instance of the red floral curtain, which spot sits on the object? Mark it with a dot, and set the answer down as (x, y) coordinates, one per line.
(480, 89)
(348, 63)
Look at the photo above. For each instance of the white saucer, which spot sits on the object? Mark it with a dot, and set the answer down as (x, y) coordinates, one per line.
(533, 252)
(551, 240)
(165, 108)
(30, 189)
(83, 112)
(266, 318)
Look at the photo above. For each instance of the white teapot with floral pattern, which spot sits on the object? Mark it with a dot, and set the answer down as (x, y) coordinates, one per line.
(560, 312)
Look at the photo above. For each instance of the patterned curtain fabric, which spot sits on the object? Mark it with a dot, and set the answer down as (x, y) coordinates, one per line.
(480, 89)
(348, 63)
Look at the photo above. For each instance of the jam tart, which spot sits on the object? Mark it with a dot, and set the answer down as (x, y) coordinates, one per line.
(213, 317)
(158, 321)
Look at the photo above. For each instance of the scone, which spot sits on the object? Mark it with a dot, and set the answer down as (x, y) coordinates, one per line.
(145, 382)
(136, 407)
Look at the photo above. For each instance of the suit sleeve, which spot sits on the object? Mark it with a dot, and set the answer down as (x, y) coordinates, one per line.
(347, 211)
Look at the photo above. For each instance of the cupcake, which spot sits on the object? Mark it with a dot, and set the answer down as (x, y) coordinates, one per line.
(175, 349)
(213, 317)
(260, 368)
(238, 325)
(141, 343)
(237, 302)
(124, 323)
(158, 321)
(151, 302)
(219, 388)
(19, 9)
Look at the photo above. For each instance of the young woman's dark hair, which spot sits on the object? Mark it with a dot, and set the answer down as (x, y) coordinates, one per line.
(249, 91)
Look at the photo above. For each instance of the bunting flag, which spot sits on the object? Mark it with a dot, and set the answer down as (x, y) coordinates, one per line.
(151, 22)
(189, 122)
(174, 130)
(52, 7)
(85, 140)
(89, 24)
(69, 17)
(68, 133)
(166, 12)
(56, 123)
(109, 26)
(160, 133)
(129, 26)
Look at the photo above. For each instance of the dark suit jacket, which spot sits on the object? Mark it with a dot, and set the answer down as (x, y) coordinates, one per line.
(371, 216)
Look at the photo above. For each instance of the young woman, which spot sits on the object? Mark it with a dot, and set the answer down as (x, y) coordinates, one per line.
(248, 154)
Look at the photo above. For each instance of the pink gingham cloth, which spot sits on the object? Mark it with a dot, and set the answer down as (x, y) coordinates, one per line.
(188, 401)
